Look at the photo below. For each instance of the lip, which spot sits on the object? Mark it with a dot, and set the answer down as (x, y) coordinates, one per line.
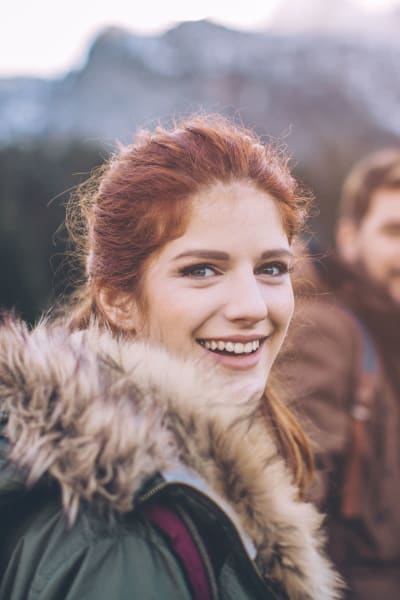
(237, 361)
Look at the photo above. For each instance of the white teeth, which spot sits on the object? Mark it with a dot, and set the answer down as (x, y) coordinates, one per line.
(238, 348)
(234, 347)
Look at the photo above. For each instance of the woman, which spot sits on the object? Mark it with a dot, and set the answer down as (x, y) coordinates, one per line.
(142, 456)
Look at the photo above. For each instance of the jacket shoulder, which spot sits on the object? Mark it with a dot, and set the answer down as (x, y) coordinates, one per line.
(317, 370)
(323, 337)
(325, 318)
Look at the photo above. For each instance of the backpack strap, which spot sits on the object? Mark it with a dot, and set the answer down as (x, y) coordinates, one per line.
(183, 545)
(364, 396)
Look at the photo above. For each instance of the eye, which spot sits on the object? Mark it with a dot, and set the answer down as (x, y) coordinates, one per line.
(274, 269)
(201, 271)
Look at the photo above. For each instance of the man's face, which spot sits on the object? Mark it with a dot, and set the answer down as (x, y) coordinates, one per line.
(376, 242)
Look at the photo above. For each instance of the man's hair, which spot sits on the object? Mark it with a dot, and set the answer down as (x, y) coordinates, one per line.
(379, 170)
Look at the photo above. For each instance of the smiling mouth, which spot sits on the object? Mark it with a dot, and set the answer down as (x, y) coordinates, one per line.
(231, 348)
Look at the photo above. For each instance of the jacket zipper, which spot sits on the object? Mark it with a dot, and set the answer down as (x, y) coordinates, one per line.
(203, 553)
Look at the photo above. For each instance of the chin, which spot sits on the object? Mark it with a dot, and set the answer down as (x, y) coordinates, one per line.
(247, 383)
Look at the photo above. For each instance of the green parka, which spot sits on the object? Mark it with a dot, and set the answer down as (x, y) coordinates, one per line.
(94, 429)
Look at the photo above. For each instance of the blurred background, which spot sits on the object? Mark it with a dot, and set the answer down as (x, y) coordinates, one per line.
(322, 78)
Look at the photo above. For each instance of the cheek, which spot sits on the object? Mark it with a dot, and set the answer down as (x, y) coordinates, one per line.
(391, 248)
(164, 315)
(284, 305)
(376, 254)
(172, 319)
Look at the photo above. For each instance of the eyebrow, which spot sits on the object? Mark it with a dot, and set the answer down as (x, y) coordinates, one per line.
(218, 255)
(390, 225)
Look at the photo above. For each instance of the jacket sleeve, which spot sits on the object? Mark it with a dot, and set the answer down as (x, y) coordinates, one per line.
(317, 372)
(132, 562)
(122, 568)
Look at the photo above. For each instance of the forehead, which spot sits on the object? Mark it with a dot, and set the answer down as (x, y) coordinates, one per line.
(385, 206)
(224, 204)
(236, 218)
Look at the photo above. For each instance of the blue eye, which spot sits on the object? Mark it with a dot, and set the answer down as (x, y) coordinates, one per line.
(199, 271)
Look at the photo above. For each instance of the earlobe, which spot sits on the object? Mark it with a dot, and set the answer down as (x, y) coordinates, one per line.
(119, 309)
(346, 240)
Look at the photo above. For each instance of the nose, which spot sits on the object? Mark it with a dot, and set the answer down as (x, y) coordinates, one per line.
(246, 299)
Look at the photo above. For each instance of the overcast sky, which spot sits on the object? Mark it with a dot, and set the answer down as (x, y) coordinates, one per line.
(47, 37)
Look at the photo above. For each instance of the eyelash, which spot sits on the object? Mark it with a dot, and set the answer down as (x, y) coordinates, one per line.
(189, 271)
(282, 267)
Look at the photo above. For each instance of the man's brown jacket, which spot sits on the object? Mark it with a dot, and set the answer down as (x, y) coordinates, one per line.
(320, 371)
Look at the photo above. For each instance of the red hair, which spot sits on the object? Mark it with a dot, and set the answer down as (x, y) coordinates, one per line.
(141, 199)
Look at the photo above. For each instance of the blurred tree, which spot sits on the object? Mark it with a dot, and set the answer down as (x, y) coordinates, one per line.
(35, 182)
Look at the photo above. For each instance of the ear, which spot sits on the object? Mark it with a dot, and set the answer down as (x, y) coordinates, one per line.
(119, 309)
(347, 235)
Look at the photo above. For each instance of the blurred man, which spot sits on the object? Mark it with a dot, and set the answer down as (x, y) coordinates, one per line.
(343, 370)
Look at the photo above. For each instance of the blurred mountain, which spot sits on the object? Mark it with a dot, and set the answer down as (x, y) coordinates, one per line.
(331, 97)
(333, 87)
(340, 17)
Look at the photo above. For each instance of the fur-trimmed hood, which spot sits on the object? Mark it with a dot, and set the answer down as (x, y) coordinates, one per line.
(102, 415)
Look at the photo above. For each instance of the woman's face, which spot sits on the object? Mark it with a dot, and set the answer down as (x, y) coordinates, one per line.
(223, 288)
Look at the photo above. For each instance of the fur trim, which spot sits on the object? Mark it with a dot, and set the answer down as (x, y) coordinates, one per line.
(101, 415)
